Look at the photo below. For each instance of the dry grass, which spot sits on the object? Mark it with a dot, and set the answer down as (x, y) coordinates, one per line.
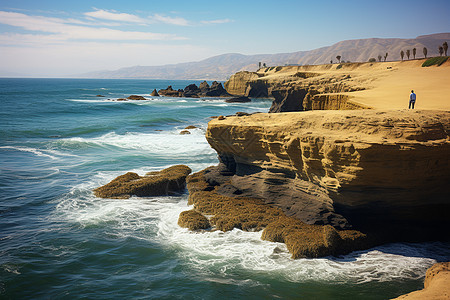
(167, 181)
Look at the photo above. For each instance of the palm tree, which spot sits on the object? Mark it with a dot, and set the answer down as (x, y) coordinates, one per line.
(379, 57)
(408, 53)
(425, 51)
(441, 50)
(414, 53)
(445, 46)
(402, 54)
(338, 58)
(385, 56)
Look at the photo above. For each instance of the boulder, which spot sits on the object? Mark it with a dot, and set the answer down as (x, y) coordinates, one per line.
(183, 132)
(136, 97)
(154, 93)
(241, 99)
(193, 220)
(166, 182)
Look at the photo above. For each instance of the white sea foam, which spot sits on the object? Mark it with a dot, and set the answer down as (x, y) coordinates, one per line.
(163, 143)
(37, 152)
(219, 254)
(228, 251)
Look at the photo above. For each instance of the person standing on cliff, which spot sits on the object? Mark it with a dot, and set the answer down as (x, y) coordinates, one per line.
(412, 99)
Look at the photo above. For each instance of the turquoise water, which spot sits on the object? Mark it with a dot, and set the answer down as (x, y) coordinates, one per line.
(57, 241)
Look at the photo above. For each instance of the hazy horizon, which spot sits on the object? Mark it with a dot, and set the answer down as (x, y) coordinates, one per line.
(57, 39)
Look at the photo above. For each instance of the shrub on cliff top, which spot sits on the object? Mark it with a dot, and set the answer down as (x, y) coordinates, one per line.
(435, 61)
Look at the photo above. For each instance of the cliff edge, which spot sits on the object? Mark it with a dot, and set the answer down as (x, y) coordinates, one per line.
(378, 85)
(436, 285)
(383, 172)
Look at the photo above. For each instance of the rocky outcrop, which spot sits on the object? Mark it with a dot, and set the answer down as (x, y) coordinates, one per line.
(154, 93)
(436, 285)
(170, 92)
(238, 83)
(136, 97)
(193, 91)
(250, 214)
(241, 99)
(216, 90)
(383, 172)
(166, 182)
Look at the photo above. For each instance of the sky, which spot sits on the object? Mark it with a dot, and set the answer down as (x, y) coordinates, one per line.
(57, 38)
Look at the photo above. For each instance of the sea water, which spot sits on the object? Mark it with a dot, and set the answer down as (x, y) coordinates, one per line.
(59, 141)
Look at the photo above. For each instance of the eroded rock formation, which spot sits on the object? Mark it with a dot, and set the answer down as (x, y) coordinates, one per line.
(384, 172)
(298, 89)
(193, 91)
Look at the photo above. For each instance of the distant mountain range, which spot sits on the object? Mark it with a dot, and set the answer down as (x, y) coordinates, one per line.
(222, 66)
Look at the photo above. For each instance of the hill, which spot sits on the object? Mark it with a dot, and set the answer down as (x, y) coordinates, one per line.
(222, 66)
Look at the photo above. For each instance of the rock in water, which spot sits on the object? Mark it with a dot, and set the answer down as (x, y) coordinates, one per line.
(193, 220)
(166, 182)
(154, 93)
(191, 91)
(216, 90)
(169, 92)
(241, 99)
(252, 214)
(136, 97)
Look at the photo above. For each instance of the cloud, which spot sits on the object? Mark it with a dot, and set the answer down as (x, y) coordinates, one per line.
(112, 15)
(68, 31)
(170, 20)
(220, 21)
(115, 16)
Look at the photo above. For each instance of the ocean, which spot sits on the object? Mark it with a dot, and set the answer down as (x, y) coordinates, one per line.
(59, 141)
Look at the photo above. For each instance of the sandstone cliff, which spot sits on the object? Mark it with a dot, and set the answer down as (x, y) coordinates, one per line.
(346, 86)
(436, 285)
(385, 172)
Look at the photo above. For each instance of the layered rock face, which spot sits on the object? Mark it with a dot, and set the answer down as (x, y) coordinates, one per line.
(298, 89)
(384, 172)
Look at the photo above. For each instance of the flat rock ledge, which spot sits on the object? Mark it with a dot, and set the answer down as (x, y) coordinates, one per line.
(252, 214)
(166, 182)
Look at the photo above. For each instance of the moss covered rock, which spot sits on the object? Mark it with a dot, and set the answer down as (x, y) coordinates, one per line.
(165, 182)
(251, 214)
(193, 220)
